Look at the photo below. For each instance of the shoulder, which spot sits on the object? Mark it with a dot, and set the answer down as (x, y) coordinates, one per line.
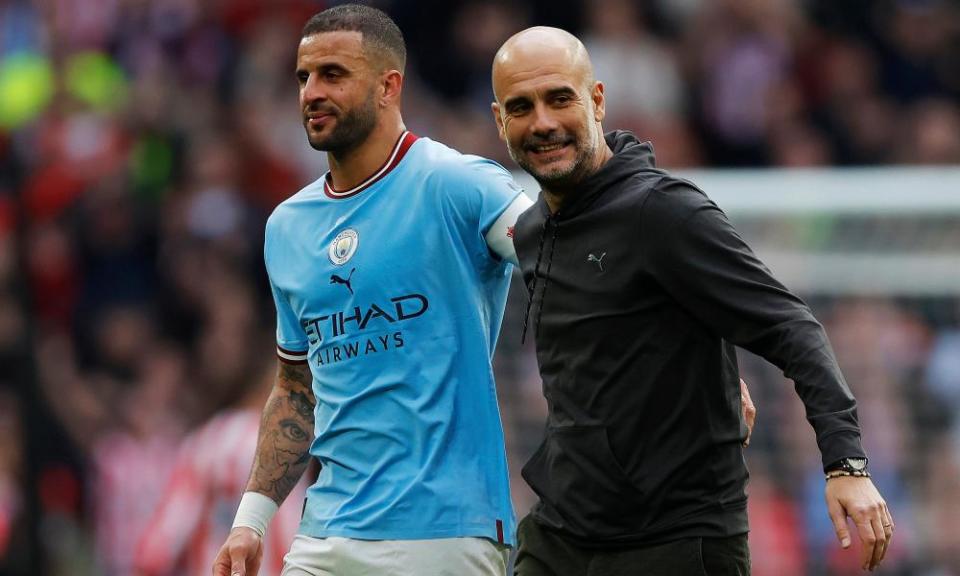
(678, 208)
(287, 221)
(285, 213)
(445, 165)
(675, 199)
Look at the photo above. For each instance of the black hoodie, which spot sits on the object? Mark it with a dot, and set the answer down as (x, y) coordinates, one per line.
(639, 289)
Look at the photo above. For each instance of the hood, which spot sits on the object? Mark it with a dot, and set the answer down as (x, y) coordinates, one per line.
(630, 156)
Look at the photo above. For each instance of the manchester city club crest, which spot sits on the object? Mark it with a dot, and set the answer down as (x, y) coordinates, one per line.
(344, 246)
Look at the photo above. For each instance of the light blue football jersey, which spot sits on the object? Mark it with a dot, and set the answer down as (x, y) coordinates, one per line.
(390, 293)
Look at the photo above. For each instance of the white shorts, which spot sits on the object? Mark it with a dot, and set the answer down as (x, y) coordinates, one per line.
(337, 556)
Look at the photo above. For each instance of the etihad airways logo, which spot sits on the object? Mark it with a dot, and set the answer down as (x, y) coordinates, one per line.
(374, 315)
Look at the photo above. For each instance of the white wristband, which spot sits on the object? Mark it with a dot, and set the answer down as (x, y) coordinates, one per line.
(255, 511)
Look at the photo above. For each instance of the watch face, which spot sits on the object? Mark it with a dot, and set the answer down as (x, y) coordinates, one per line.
(857, 463)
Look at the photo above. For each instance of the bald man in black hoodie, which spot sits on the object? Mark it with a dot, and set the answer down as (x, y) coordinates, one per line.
(639, 289)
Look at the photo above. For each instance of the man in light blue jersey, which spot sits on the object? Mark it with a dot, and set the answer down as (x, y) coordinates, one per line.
(389, 276)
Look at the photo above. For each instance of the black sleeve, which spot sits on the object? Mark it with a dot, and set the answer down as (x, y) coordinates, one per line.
(694, 252)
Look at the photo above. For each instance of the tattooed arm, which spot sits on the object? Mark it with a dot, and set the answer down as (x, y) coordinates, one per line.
(286, 430)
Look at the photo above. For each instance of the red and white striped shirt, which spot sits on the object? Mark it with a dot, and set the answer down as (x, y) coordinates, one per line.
(129, 475)
(200, 501)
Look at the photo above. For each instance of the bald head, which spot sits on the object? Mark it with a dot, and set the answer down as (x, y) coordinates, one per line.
(539, 49)
(549, 108)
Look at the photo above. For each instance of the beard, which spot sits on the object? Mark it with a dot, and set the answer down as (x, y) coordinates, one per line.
(351, 129)
(559, 176)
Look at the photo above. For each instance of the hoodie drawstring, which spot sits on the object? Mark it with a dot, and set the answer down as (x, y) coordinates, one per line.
(532, 293)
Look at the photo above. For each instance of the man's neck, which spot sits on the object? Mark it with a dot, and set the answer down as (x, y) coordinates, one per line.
(352, 168)
(554, 200)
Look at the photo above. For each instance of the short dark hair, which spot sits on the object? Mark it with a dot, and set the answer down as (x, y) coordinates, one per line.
(380, 33)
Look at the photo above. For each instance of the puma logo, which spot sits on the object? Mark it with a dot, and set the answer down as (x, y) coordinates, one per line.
(599, 261)
(334, 279)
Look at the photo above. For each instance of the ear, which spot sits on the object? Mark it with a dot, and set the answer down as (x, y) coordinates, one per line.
(495, 108)
(392, 85)
(599, 102)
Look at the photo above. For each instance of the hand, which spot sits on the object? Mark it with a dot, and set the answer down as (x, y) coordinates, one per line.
(240, 555)
(749, 411)
(858, 498)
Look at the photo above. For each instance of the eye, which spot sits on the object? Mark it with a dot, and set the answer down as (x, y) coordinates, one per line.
(333, 73)
(302, 77)
(518, 108)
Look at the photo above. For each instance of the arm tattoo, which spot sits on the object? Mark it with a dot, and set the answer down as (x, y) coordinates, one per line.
(286, 430)
(302, 405)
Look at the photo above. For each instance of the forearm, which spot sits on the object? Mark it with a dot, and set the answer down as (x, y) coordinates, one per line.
(286, 430)
(802, 351)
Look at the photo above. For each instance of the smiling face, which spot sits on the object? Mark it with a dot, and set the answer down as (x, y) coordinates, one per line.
(548, 107)
(338, 90)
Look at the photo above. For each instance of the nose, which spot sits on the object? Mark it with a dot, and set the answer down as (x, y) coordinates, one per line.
(544, 122)
(312, 91)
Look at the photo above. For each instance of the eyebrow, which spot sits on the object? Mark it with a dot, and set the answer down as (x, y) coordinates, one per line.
(515, 100)
(322, 68)
(551, 93)
(561, 91)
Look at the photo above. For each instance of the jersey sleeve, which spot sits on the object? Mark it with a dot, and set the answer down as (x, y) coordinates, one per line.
(292, 342)
(489, 201)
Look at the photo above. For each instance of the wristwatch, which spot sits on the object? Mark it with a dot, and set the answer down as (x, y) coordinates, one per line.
(852, 465)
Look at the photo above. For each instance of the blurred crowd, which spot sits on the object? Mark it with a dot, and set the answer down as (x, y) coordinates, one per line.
(144, 142)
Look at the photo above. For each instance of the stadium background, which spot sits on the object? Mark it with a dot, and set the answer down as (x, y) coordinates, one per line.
(143, 143)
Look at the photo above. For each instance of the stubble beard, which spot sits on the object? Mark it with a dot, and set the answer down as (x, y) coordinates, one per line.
(351, 130)
(558, 179)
